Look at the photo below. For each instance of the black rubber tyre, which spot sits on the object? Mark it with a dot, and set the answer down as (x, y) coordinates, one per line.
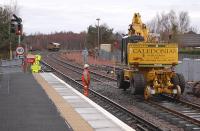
(196, 89)
(175, 80)
(181, 82)
(179, 79)
(138, 84)
(120, 81)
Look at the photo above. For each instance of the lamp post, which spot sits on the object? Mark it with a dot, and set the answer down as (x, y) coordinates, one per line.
(98, 19)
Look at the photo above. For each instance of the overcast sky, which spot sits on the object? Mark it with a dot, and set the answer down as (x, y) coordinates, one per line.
(46, 16)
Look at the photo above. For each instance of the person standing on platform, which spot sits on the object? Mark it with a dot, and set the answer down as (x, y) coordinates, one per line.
(86, 80)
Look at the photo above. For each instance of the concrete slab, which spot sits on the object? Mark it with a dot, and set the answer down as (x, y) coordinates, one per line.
(189, 111)
(86, 110)
(194, 116)
(193, 113)
(163, 115)
(182, 123)
(90, 117)
(196, 129)
(101, 124)
(69, 97)
(80, 105)
(66, 93)
(169, 117)
(61, 89)
(75, 100)
(188, 127)
(175, 120)
(108, 129)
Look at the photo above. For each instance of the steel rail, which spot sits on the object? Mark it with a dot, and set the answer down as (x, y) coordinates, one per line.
(80, 72)
(113, 107)
(178, 113)
(95, 73)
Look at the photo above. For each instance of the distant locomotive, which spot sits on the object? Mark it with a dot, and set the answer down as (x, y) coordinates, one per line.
(53, 46)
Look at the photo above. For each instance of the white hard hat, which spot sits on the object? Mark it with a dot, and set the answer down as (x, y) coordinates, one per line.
(86, 66)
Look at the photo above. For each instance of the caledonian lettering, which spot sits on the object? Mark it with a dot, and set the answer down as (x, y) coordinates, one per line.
(153, 51)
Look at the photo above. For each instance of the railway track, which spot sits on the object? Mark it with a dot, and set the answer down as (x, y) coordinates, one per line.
(101, 78)
(99, 69)
(120, 112)
(181, 112)
(165, 114)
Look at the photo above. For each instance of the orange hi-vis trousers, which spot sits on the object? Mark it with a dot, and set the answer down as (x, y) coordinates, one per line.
(85, 90)
(86, 82)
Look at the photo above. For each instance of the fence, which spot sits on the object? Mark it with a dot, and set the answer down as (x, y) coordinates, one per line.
(110, 55)
(182, 56)
(190, 68)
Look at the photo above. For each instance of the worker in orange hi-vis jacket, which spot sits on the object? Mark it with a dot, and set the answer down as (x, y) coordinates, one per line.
(86, 79)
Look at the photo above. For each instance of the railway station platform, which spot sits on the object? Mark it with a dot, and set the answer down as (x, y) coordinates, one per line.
(43, 102)
(24, 105)
(81, 113)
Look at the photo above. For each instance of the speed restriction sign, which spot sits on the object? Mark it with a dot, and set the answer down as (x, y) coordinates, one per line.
(20, 50)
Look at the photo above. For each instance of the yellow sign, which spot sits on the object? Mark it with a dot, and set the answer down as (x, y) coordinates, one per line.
(156, 54)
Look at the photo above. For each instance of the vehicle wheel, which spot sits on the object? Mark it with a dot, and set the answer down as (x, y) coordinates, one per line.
(179, 79)
(132, 86)
(196, 89)
(138, 84)
(181, 82)
(120, 81)
(178, 95)
(175, 80)
(147, 92)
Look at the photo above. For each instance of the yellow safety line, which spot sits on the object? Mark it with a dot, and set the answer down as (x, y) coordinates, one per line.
(66, 110)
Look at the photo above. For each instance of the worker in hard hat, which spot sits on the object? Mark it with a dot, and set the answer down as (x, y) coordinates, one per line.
(86, 79)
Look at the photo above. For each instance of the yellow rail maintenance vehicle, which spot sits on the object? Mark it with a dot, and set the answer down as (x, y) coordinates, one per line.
(148, 64)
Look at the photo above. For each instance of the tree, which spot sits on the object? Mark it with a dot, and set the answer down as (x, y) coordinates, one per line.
(91, 37)
(170, 24)
(193, 29)
(106, 35)
(184, 21)
(6, 12)
(4, 26)
(68, 40)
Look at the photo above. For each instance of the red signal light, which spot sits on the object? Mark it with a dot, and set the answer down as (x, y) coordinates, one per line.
(19, 29)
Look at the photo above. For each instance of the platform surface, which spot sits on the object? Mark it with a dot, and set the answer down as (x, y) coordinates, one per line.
(98, 118)
(24, 105)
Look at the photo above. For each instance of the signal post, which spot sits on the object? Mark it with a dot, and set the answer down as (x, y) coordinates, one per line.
(16, 27)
